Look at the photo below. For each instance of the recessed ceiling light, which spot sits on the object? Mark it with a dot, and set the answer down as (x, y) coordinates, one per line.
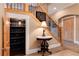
(54, 8)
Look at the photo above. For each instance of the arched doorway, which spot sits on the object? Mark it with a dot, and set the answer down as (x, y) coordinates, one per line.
(69, 27)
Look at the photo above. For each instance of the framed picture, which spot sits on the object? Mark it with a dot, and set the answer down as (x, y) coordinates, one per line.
(41, 16)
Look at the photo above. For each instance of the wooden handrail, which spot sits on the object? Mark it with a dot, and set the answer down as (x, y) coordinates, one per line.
(53, 35)
(47, 28)
(59, 28)
(40, 24)
(48, 15)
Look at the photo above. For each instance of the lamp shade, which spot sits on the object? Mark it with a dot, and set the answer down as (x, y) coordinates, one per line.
(44, 24)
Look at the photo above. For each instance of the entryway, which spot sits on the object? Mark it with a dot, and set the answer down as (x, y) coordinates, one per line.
(69, 32)
(68, 29)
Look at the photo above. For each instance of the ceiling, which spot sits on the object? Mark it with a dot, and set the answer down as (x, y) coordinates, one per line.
(54, 7)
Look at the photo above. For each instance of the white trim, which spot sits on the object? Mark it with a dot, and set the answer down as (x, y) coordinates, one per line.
(21, 16)
(14, 15)
(30, 51)
(54, 45)
(27, 34)
(68, 17)
(75, 38)
(77, 42)
(74, 29)
(62, 23)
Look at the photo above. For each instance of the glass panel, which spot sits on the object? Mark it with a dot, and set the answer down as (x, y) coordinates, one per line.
(53, 27)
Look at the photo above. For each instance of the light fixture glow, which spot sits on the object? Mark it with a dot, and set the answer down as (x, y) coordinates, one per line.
(7, 22)
(43, 24)
(54, 8)
(19, 23)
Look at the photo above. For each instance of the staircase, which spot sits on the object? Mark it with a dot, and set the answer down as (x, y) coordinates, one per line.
(54, 28)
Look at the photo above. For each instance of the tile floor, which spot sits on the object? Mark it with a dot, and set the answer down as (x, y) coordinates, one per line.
(65, 53)
(69, 49)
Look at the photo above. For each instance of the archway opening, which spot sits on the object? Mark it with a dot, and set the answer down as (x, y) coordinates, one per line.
(69, 27)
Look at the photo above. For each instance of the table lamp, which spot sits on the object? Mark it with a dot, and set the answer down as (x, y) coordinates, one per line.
(44, 26)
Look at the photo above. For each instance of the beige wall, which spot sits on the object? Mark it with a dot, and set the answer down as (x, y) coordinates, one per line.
(35, 30)
(45, 6)
(1, 15)
(74, 9)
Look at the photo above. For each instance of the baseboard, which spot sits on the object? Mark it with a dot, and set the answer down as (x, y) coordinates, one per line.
(54, 45)
(30, 51)
(77, 42)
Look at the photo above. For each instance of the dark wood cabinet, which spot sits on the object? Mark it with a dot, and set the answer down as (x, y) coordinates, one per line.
(17, 37)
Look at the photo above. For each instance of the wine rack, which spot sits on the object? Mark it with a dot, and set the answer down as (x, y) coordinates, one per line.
(17, 37)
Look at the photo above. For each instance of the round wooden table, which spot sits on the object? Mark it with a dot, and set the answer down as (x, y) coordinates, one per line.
(44, 44)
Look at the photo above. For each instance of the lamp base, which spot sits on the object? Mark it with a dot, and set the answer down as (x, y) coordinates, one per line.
(43, 32)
